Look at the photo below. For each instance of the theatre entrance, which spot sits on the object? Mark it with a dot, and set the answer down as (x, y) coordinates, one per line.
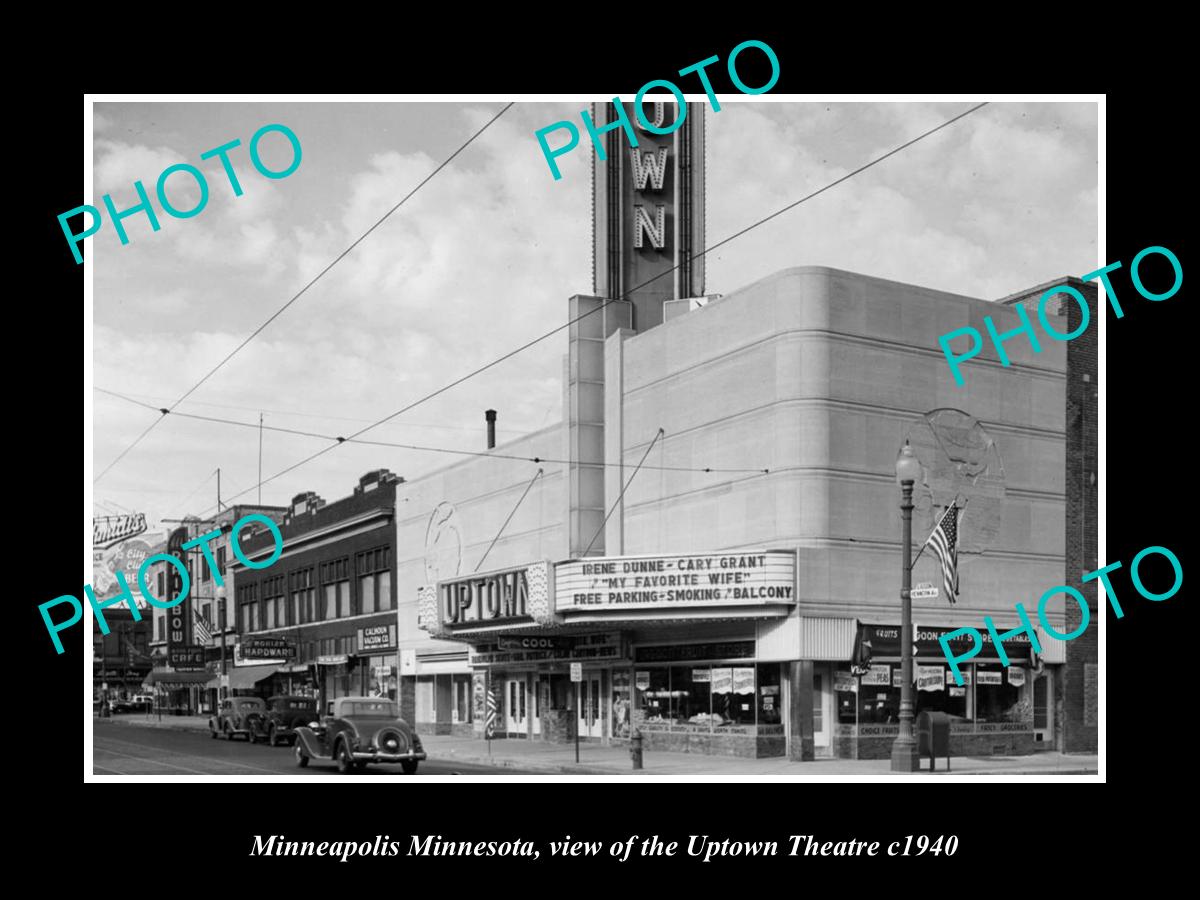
(588, 704)
(516, 706)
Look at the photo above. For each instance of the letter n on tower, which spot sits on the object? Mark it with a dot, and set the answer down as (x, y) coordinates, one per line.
(648, 209)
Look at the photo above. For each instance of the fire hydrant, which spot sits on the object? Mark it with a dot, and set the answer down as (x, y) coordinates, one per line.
(635, 748)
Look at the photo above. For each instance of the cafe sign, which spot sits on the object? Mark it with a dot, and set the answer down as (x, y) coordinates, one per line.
(187, 659)
(676, 582)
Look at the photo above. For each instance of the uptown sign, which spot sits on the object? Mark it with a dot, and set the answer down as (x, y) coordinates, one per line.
(494, 597)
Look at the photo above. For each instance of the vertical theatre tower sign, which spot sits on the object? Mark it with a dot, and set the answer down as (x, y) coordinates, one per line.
(648, 203)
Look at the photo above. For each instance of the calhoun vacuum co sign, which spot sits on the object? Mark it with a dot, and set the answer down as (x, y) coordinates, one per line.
(682, 580)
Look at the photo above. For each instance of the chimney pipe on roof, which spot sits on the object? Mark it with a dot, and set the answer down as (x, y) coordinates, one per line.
(490, 415)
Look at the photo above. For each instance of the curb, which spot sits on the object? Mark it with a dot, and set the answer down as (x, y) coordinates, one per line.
(162, 726)
(530, 768)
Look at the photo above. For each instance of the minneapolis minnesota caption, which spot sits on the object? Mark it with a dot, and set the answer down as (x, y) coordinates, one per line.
(703, 847)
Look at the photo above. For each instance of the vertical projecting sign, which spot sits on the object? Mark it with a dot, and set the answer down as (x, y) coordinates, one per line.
(179, 630)
(648, 206)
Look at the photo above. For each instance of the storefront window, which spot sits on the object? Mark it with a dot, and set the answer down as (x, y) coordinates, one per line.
(381, 677)
(770, 694)
(878, 692)
(935, 694)
(996, 699)
(654, 694)
(620, 703)
(701, 695)
(733, 694)
(845, 696)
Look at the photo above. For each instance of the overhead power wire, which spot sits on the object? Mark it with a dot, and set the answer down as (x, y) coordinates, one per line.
(606, 303)
(197, 488)
(291, 412)
(628, 482)
(299, 293)
(420, 447)
(524, 494)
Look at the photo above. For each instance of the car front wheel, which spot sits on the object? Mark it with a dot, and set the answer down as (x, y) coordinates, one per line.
(212, 730)
(345, 760)
(301, 757)
(409, 766)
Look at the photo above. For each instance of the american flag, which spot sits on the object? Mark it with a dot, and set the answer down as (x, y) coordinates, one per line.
(944, 542)
(202, 627)
(490, 722)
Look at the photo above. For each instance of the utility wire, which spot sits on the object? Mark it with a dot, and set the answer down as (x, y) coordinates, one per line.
(298, 294)
(606, 303)
(524, 493)
(297, 414)
(197, 488)
(488, 453)
(623, 490)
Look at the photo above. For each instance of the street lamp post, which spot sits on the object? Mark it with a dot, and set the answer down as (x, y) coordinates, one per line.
(904, 751)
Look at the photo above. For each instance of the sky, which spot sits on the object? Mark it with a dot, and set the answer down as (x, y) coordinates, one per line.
(482, 259)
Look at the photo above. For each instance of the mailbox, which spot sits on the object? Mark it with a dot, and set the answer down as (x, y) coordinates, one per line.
(933, 737)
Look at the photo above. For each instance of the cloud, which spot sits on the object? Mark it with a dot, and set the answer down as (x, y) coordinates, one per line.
(484, 257)
(992, 204)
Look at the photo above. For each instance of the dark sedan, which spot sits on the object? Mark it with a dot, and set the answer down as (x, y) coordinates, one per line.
(358, 731)
(284, 714)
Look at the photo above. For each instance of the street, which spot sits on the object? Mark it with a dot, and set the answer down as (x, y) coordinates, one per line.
(133, 750)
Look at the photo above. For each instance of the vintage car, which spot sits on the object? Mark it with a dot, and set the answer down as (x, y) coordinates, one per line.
(357, 731)
(284, 713)
(239, 715)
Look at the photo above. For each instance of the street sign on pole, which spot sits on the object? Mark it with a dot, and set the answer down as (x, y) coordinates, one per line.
(577, 677)
(924, 591)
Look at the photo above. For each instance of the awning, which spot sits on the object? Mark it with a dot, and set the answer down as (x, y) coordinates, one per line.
(242, 677)
(167, 678)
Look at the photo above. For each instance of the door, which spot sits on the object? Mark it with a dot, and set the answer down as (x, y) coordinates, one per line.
(822, 714)
(1043, 710)
(515, 705)
(589, 705)
(541, 691)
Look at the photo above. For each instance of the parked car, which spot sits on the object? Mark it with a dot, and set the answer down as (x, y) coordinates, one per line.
(360, 730)
(239, 715)
(144, 702)
(284, 713)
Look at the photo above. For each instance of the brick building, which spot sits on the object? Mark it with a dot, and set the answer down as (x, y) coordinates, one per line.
(712, 532)
(199, 691)
(329, 597)
(1077, 693)
(121, 658)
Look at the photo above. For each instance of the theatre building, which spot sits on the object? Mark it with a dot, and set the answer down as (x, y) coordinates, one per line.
(320, 620)
(713, 529)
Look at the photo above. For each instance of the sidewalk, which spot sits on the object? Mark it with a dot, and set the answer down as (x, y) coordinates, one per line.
(595, 759)
(150, 720)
